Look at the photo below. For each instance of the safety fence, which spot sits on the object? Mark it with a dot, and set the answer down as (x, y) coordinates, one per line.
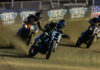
(20, 5)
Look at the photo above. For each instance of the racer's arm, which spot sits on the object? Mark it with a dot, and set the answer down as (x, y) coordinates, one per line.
(39, 26)
(65, 35)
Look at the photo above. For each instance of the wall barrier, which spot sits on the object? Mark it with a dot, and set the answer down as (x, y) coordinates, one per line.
(95, 11)
(10, 17)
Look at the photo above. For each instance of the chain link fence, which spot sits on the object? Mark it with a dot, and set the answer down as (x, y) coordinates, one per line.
(20, 5)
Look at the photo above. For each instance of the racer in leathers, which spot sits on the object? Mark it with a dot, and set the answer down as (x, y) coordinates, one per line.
(50, 27)
(32, 22)
(31, 26)
(94, 23)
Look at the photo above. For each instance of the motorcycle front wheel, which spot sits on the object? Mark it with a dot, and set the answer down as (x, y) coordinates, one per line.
(50, 50)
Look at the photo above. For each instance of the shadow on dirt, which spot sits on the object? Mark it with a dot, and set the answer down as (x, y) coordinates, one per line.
(13, 55)
(19, 56)
(7, 47)
(68, 45)
(73, 46)
(96, 52)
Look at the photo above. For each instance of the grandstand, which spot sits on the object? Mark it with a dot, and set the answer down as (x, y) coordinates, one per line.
(44, 4)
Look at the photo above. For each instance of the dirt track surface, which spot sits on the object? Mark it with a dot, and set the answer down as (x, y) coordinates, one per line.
(13, 51)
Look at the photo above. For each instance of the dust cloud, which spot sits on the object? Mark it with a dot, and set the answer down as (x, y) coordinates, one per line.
(8, 37)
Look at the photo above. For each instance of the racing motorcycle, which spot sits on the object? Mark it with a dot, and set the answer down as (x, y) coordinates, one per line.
(88, 37)
(26, 32)
(47, 44)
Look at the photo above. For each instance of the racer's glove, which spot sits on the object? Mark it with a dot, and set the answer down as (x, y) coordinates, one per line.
(66, 36)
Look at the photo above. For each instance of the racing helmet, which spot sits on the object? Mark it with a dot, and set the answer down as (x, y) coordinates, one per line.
(96, 20)
(38, 15)
(99, 16)
(53, 23)
(62, 23)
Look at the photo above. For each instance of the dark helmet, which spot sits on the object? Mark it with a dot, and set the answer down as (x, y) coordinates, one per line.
(31, 16)
(53, 24)
(96, 20)
(38, 15)
(61, 23)
(99, 16)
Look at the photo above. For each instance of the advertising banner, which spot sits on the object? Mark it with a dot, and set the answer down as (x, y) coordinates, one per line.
(8, 17)
(56, 14)
(95, 11)
(78, 12)
(25, 14)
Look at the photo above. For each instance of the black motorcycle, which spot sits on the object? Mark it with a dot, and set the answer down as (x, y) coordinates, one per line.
(26, 33)
(46, 44)
(88, 37)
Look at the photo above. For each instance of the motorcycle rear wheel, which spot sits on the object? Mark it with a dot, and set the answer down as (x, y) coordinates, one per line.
(79, 42)
(90, 42)
(33, 51)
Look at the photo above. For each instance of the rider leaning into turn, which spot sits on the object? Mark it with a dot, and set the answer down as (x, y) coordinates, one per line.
(58, 26)
(94, 23)
(47, 28)
(32, 23)
(34, 19)
(61, 24)
(53, 25)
